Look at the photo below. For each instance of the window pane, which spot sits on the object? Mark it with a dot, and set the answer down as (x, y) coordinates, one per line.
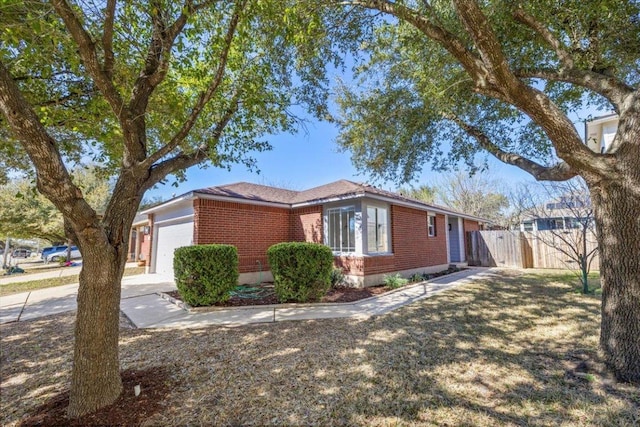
(371, 230)
(383, 231)
(432, 226)
(377, 230)
(341, 229)
(351, 244)
(334, 227)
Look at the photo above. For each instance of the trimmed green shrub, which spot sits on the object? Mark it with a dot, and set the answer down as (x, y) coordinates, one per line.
(205, 274)
(395, 281)
(301, 271)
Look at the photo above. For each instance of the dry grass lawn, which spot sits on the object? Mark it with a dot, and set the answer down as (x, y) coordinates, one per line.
(32, 285)
(502, 351)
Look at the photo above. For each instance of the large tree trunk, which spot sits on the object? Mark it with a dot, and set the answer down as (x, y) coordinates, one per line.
(96, 380)
(617, 213)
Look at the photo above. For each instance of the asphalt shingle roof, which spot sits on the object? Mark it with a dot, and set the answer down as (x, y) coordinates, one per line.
(341, 188)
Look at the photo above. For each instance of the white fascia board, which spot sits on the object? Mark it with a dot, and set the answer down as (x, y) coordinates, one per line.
(427, 208)
(170, 203)
(603, 119)
(328, 200)
(243, 201)
(176, 219)
(392, 201)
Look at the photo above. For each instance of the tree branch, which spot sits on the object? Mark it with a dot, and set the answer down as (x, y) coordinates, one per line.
(559, 172)
(487, 43)
(53, 179)
(472, 64)
(180, 161)
(89, 56)
(107, 38)
(204, 97)
(159, 52)
(530, 21)
(609, 87)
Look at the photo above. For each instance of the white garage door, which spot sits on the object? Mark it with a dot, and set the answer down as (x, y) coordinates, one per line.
(170, 237)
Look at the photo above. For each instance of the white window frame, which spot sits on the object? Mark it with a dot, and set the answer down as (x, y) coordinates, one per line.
(431, 225)
(387, 211)
(342, 248)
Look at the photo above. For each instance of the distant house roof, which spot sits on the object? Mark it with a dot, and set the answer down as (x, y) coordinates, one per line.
(338, 190)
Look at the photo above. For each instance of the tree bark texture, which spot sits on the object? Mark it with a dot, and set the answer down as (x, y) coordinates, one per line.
(95, 380)
(617, 216)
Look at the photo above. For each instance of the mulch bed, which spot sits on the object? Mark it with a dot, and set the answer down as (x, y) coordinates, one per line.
(128, 410)
(266, 295)
(263, 294)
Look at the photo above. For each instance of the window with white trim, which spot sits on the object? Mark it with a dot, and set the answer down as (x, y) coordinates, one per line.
(341, 229)
(377, 230)
(431, 225)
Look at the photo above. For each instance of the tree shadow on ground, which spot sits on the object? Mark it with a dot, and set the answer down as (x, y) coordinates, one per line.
(503, 351)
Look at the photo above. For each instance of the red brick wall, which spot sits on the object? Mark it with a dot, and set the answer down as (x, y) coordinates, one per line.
(412, 247)
(252, 229)
(145, 244)
(380, 264)
(353, 265)
(306, 225)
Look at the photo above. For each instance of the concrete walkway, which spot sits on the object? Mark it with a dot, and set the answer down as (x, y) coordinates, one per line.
(142, 304)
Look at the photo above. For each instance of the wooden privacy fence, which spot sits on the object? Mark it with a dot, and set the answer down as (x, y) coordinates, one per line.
(506, 248)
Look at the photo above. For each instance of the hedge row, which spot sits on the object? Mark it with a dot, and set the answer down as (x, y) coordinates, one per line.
(206, 274)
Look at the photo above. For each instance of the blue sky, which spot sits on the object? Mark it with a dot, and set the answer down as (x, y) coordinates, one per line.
(306, 160)
(302, 161)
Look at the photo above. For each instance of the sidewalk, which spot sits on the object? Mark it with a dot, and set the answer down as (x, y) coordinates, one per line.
(142, 304)
(55, 272)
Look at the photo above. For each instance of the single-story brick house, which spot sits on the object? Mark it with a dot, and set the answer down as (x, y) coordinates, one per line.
(372, 232)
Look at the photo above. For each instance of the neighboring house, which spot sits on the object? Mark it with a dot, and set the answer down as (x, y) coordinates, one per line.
(140, 239)
(600, 131)
(372, 232)
(567, 212)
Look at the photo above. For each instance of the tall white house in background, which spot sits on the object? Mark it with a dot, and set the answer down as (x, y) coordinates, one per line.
(600, 131)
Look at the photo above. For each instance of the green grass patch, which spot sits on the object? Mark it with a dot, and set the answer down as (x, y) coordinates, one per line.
(32, 285)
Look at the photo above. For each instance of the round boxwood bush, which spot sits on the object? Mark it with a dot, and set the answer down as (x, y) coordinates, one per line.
(205, 274)
(301, 271)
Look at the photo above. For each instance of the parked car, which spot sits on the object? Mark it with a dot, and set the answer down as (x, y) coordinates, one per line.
(56, 256)
(21, 253)
(51, 249)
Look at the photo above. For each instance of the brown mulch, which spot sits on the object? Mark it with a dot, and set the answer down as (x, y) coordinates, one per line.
(128, 410)
(339, 294)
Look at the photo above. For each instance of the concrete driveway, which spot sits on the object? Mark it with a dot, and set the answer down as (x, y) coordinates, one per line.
(43, 302)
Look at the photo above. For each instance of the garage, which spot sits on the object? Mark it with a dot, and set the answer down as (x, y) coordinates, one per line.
(169, 237)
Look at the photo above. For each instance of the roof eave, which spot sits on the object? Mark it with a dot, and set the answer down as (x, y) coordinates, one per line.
(392, 200)
(169, 203)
